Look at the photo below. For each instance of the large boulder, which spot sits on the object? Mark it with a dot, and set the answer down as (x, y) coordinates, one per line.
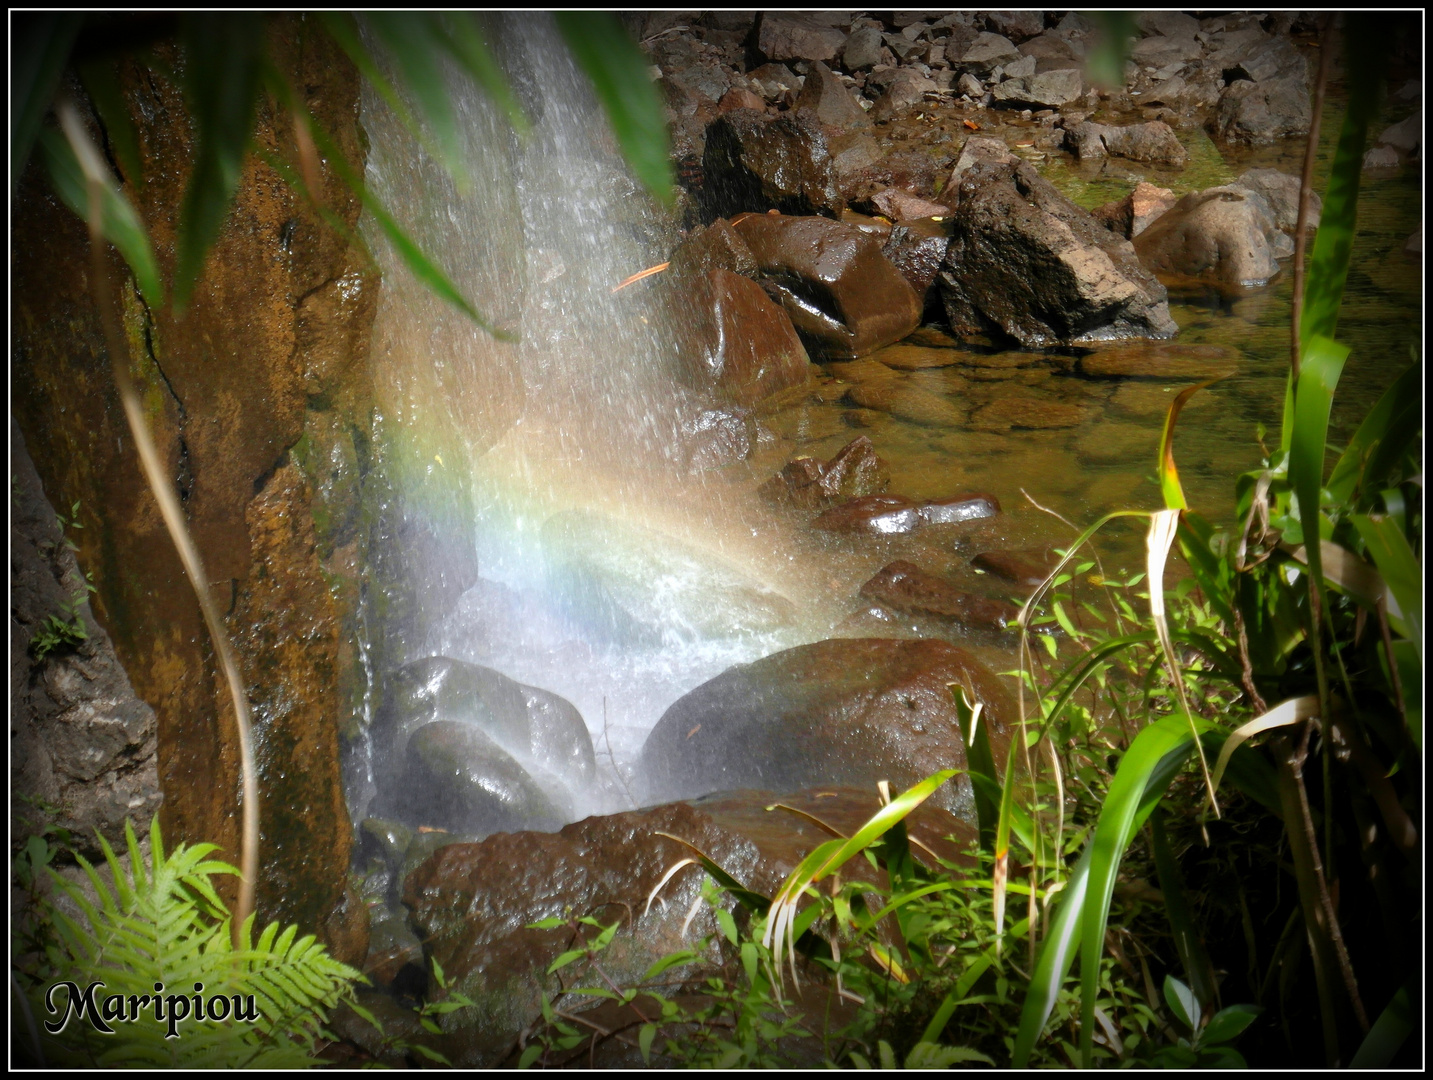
(1268, 98)
(1026, 261)
(829, 103)
(1281, 191)
(843, 295)
(1153, 142)
(755, 162)
(986, 53)
(1221, 234)
(474, 904)
(1045, 90)
(835, 712)
(793, 36)
(736, 339)
(903, 586)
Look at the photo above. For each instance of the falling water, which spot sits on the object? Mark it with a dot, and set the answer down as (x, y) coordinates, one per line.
(608, 569)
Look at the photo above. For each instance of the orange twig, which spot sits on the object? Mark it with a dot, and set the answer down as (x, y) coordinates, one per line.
(639, 275)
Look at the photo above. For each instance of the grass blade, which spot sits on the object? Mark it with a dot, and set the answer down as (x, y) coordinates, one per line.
(1389, 1031)
(1322, 365)
(1281, 715)
(1402, 575)
(39, 48)
(1138, 783)
(414, 41)
(1187, 941)
(618, 71)
(981, 760)
(1168, 475)
(464, 39)
(1056, 954)
(1002, 842)
(120, 223)
(1386, 434)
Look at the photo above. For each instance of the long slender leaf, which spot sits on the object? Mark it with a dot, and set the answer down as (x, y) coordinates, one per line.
(1389, 1032)
(1396, 561)
(101, 82)
(464, 38)
(978, 756)
(119, 221)
(1188, 943)
(1169, 484)
(1387, 433)
(40, 46)
(1135, 790)
(415, 40)
(618, 72)
(1057, 953)
(1281, 715)
(221, 76)
(1318, 378)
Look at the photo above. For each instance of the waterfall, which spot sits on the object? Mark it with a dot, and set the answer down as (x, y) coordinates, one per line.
(542, 504)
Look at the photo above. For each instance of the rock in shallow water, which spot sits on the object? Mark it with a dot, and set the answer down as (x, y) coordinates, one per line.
(1025, 260)
(905, 587)
(835, 712)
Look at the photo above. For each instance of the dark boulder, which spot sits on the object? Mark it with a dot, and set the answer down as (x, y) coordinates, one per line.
(1025, 260)
(835, 712)
(843, 295)
(735, 338)
(959, 508)
(755, 162)
(882, 514)
(716, 247)
(826, 100)
(917, 248)
(794, 36)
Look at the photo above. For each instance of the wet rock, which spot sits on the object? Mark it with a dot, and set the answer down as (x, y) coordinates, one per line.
(1281, 191)
(607, 573)
(1153, 142)
(835, 712)
(775, 82)
(1403, 139)
(1026, 260)
(970, 86)
(901, 205)
(917, 249)
(1269, 97)
(753, 162)
(984, 55)
(791, 36)
(906, 90)
(738, 97)
(853, 156)
(878, 227)
(80, 739)
(829, 103)
(1049, 89)
(1169, 23)
(1015, 25)
(712, 438)
(882, 514)
(1221, 234)
(457, 778)
(473, 904)
(862, 49)
(1160, 50)
(860, 371)
(855, 471)
(959, 508)
(907, 402)
(392, 946)
(735, 338)
(1380, 157)
(1131, 215)
(716, 247)
(977, 149)
(1150, 360)
(841, 293)
(1027, 568)
(903, 586)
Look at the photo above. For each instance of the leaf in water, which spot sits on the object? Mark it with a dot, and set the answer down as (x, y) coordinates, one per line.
(618, 71)
(221, 76)
(120, 223)
(40, 45)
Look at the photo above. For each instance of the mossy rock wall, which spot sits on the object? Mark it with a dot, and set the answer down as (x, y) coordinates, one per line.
(260, 401)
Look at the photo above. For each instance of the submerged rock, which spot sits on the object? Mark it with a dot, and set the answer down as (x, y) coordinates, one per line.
(905, 587)
(882, 514)
(1154, 142)
(1025, 260)
(856, 470)
(1021, 567)
(835, 712)
(843, 295)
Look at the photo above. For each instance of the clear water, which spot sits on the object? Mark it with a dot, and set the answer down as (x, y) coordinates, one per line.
(577, 424)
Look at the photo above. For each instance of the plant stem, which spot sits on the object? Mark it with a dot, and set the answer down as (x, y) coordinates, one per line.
(1306, 190)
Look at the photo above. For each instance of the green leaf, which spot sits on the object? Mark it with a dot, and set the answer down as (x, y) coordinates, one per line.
(1188, 943)
(1323, 362)
(1394, 557)
(566, 958)
(529, 1055)
(40, 45)
(1057, 953)
(727, 924)
(464, 38)
(120, 223)
(1228, 1024)
(221, 81)
(618, 71)
(925, 1055)
(1389, 1032)
(432, 1055)
(644, 1042)
(1182, 1003)
(1388, 432)
(887, 1055)
(547, 924)
(414, 40)
(976, 737)
(101, 83)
